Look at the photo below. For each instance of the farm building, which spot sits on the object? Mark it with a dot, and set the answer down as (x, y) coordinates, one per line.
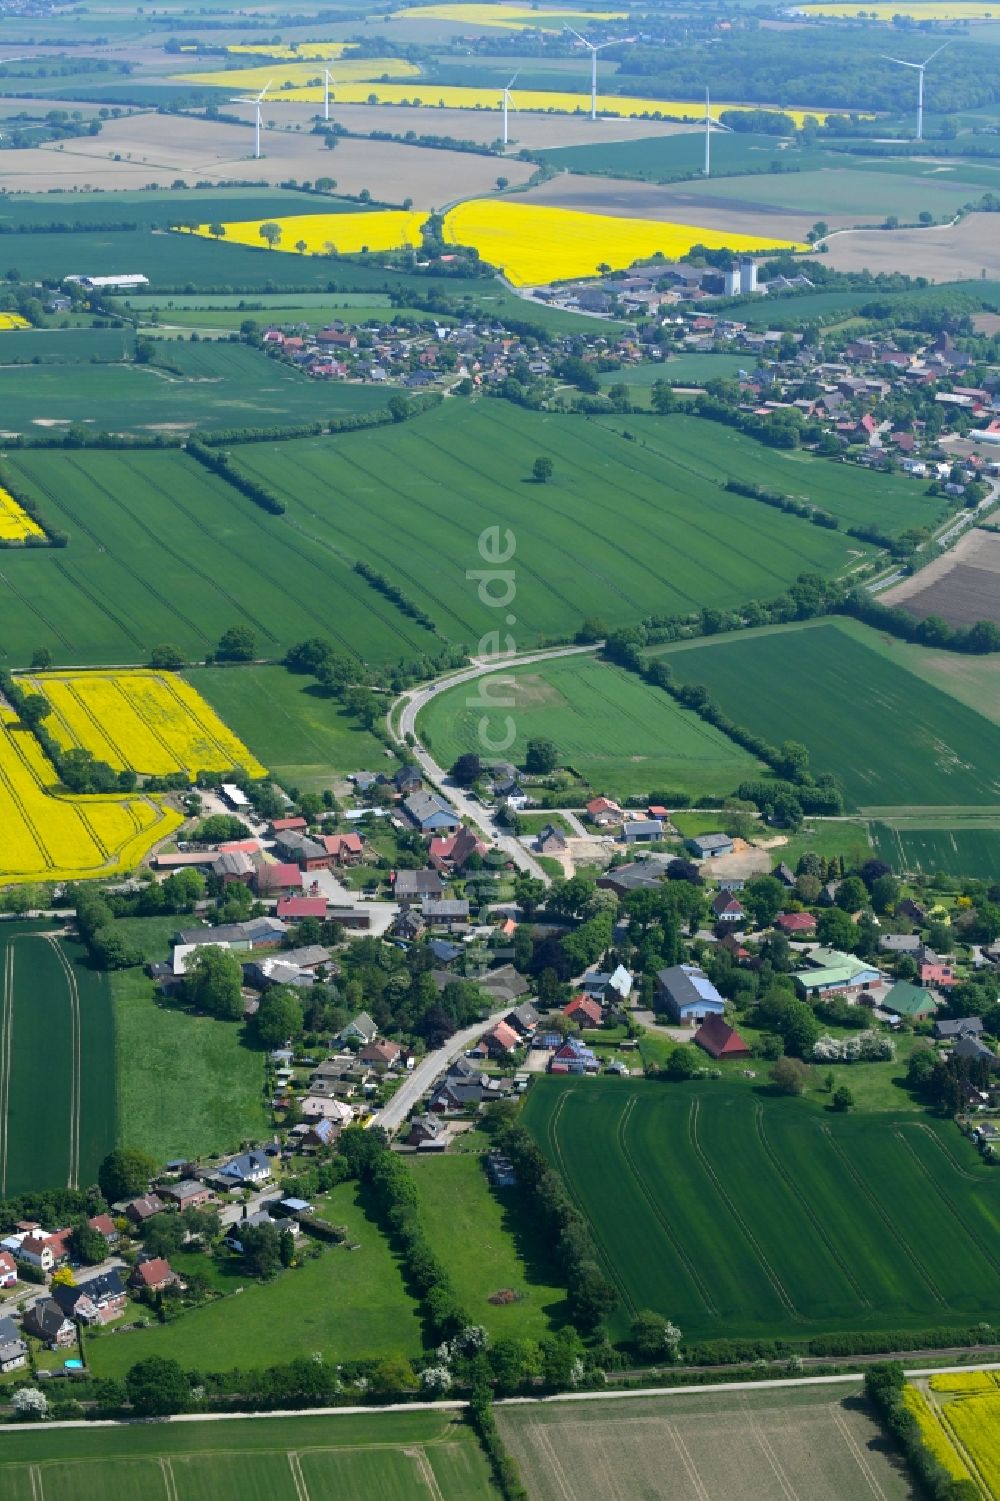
(641, 831)
(720, 1040)
(911, 1001)
(833, 971)
(430, 813)
(688, 994)
(710, 846)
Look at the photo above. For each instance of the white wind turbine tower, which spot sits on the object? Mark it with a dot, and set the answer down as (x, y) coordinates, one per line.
(709, 122)
(327, 80)
(920, 92)
(508, 104)
(257, 104)
(594, 48)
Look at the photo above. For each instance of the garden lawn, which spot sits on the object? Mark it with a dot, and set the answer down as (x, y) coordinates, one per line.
(892, 740)
(828, 837)
(292, 725)
(187, 1086)
(348, 1305)
(739, 1213)
(486, 1243)
(621, 735)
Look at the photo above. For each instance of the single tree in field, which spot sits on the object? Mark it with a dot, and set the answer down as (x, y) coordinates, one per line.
(270, 232)
(542, 470)
(217, 231)
(789, 1075)
(843, 1100)
(301, 246)
(238, 644)
(41, 659)
(540, 756)
(168, 658)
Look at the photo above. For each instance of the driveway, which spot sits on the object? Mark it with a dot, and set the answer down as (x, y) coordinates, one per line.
(392, 1115)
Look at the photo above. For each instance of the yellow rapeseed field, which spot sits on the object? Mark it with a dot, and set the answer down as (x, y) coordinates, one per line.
(976, 1423)
(448, 96)
(279, 74)
(933, 1434)
(535, 245)
(10, 321)
(971, 1383)
(511, 17)
(148, 722)
(918, 11)
(322, 234)
(15, 522)
(51, 837)
(304, 50)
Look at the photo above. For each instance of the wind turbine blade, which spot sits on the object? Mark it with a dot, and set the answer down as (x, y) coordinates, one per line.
(901, 61)
(934, 54)
(514, 79)
(579, 38)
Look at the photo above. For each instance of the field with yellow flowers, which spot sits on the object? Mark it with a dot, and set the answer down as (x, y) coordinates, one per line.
(302, 51)
(933, 1434)
(934, 10)
(454, 96)
(15, 523)
(298, 74)
(10, 321)
(512, 17)
(535, 245)
(328, 234)
(51, 837)
(147, 722)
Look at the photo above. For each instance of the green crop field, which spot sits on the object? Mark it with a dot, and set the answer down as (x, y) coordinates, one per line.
(299, 732)
(892, 739)
(716, 1446)
(487, 1243)
(346, 1305)
(667, 158)
(55, 1025)
(415, 499)
(717, 454)
(804, 307)
(620, 734)
(65, 346)
(186, 1085)
(229, 320)
(152, 209)
(855, 197)
(956, 851)
(162, 550)
(187, 385)
(401, 1456)
(738, 1214)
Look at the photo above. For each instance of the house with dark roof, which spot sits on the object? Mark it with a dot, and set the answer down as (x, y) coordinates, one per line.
(727, 908)
(245, 1170)
(445, 913)
(407, 780)
(415, 885)
(688, 994)
(13, 1354)
(962, 1026)
(47, 1322)
(720, 1040)
(551, 841)
(710, 846)
(302, 851)
(427, 1132)
(361, 1029)
(430, 813)
(639, 875)
(141, 1209)
(523, 1019)
(972, 1047)
(503, 984)
(96, 1301)
(641, 831)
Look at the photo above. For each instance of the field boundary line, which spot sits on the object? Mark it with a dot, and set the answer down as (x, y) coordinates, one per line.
(687, 1462)
(751, 1239)
(76, 1076)
(951, 1159)
(764, 1444)
(926, 1174)
(807, 1208)
(904, 1245)
(423, 1465)
(608, 1261)
(552, 1458)
(298, 1479)
(857, 1453)
(658, 1214)
(940, 1410)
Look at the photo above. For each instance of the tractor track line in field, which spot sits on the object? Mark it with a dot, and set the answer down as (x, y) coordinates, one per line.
(298, 1479)
(748, 1234)
(37, 1489)
(766, 1448)
(76, 1074)
(6, 1036)
(688, 1463)
(952, 1160)
(170, 1484)
(947, 1201)
(886, 1219)
(806, 1207)
(425, 1472)
(658, 1214)
(857, 1453)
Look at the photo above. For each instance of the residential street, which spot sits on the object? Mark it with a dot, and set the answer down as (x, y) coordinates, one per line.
(427, 1070)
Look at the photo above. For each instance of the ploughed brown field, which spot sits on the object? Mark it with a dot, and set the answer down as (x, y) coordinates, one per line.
(948, 253)
(962, 587)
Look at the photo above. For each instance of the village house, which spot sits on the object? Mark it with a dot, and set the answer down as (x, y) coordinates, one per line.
(153, 1274)
(585, 1011)
(573, 1057)
(727, 908)
(796, 924)
(414, 885)
(427, 1132)
(187, 1194)
(302, 851)
(45, 1321)
(13, 1355)
(551, 841)
(382, 1055)
(96, 1301)
(277, 878)
(141, 1209)
(448, 914)
(686, 992)
(453, 851)
(430, 813)
(362, 1029)
(343, 849)
(720, 1040)
(35, 1249)
(8, 1269)
(603, 812)
(245, 1170)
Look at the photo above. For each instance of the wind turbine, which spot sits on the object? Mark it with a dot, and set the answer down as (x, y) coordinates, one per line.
(709, 122)
(920, 92)
(594, 48)
(327, 80)
(508, 104)
(257, 104)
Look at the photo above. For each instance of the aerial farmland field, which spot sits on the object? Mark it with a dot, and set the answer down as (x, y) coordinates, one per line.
(56, 1022)
(963, 850)
(735, 1212)
(619, 733)
(713, 1446)
(824, 687)
(163, 551)
(403, 1456)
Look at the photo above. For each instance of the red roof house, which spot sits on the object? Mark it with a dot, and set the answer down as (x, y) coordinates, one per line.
(8, 1269)
(346, 849)
(602, 810)
(154, 1274)
(273, 878)
(297, 907)
(938, 974)
(285, 825)
(720, 1040)
(795, 922)
(501, 1039)
(584, 1010)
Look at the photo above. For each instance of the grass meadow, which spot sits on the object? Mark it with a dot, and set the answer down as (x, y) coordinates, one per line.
(740, 1214)
(58, 1039)
(620, 734)
(163, 551)
(815, 1442)
(186, 1085)
(402, 1456)
(299, 732)
(893, 740)
(347, 1305)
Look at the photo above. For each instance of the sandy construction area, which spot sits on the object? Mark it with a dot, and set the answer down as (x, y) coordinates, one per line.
(962, 586)
(641, 200)
(968, 249)
(162, 149)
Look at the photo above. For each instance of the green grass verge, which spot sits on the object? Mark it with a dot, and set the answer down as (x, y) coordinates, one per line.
(736, 1212)
(186, 1084)
(487, 1243)
(348, 1305)
(295, 729)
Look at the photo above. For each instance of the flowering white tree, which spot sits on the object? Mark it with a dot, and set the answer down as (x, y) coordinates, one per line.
(436, 1378)
(29, 1402)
